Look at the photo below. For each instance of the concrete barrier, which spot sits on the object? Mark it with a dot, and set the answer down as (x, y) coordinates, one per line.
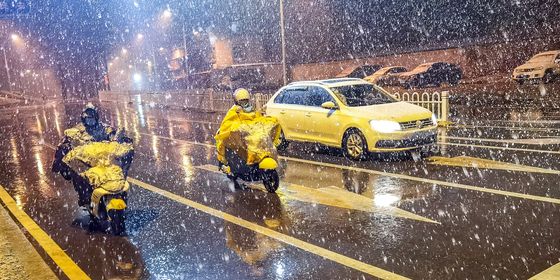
(208, 100)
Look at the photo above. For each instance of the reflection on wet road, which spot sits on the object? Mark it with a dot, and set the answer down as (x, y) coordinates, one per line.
(487, 207)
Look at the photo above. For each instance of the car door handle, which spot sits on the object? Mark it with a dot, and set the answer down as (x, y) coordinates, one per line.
(308, 114)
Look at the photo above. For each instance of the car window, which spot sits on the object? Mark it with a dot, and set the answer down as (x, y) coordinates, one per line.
(542, 58)
(557, 60)
(317, 96)
(362, 95)
(397, 70)
(280, 97)
(293, 96)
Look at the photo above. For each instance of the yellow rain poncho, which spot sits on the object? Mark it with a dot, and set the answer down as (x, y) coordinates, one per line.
(251, 135)
(78, 135)
(102, 174)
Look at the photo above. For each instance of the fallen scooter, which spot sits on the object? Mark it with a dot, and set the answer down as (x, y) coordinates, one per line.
(251, 153)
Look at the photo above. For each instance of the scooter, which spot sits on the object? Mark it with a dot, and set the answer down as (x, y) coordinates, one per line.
(264, 170)
(93, 166)
(251, 153)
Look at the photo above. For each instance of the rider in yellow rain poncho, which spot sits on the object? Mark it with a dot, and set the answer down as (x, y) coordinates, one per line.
(89, 130)
(243, 130)
(101, 173)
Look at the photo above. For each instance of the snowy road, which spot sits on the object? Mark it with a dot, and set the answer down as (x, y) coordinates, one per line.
(487, 207)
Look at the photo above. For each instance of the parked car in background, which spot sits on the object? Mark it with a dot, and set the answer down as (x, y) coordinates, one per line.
(351, 114)
(543, 67)
(359, 72)
(433, 73)
(385, 76)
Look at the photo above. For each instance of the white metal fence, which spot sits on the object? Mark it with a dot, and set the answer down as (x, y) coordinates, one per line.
(437, 102)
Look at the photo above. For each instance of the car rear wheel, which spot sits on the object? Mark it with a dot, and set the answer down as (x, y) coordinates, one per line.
(354, 145)
(548, 77)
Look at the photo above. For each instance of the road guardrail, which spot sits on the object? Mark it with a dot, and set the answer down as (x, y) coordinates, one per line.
(437, 102)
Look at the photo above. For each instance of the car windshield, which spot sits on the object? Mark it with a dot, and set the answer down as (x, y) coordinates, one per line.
(382, 71)
(362, 95)
(542, 58)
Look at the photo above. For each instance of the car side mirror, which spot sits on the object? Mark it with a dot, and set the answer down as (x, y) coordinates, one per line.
(329, 105)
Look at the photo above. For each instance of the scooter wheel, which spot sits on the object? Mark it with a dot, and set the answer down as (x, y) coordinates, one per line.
(117, 222)
(271, 181)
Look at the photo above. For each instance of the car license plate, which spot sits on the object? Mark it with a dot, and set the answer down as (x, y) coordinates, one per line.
(423, 134)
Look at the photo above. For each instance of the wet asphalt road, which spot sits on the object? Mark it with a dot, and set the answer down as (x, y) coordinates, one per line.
(468, 219)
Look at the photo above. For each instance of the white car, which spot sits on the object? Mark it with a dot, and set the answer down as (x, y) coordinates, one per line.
(544, 67)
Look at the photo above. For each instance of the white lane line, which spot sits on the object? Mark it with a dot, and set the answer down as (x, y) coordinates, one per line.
(472, 126)
(287, 239)
(404, 177)
(544, 141)
(499, 148)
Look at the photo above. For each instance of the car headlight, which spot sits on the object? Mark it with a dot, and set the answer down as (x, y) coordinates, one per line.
(385, 126)
(434, 119)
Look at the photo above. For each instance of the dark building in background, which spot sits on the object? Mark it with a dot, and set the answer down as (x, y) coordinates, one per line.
(77, 36)
(340, 29)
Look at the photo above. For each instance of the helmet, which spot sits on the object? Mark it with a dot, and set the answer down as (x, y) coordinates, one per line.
(241, 94)
(90, 115)
(242, 98)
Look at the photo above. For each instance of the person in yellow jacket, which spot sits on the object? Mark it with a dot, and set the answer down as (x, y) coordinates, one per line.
(242, 110)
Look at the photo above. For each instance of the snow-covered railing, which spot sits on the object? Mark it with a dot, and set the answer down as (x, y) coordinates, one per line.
(437, 102)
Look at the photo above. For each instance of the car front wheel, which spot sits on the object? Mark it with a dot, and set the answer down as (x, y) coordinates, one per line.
(354, 145)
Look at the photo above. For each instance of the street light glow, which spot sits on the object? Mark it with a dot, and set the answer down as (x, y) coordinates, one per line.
(137, 77)
(14, 37)
(167, 13)
(124, 51)
(140, 36)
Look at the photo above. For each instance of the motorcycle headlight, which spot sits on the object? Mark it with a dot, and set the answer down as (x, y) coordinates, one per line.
(385, 126)
(434, 119)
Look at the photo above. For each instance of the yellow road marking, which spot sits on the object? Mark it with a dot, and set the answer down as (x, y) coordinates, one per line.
(332, 196)
(319, 251)
(60, 258)
(408, 177)
(466, 161)
(551, 273)
(500, 148)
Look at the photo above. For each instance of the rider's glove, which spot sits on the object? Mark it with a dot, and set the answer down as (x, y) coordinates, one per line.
(226, 169)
